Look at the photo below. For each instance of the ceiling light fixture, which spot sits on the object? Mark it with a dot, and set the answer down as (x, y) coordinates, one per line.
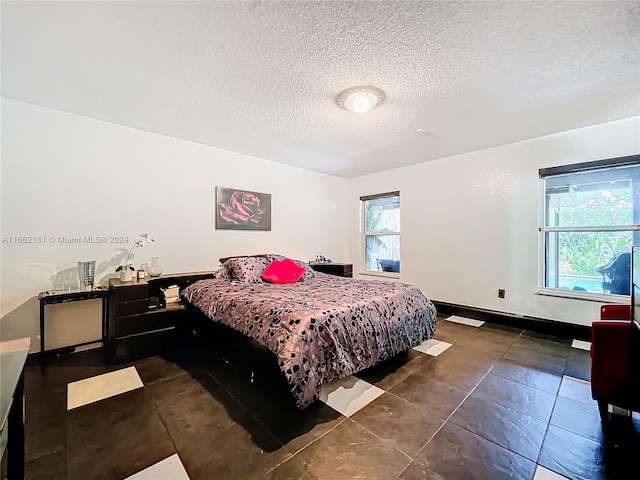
(360, 99)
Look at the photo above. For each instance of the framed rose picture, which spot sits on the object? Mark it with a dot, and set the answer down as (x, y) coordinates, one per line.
(242, 210)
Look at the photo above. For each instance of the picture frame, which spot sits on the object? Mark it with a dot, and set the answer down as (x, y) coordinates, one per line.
(242, 209)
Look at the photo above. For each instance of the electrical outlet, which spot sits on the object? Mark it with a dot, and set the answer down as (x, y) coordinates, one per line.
(501, 293)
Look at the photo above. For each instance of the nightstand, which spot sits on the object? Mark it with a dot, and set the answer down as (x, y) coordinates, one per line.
(140, 323)
(334, 268)
(53, 297)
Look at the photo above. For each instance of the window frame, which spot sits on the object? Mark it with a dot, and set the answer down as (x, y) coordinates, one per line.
(364, 234)
(545, 173)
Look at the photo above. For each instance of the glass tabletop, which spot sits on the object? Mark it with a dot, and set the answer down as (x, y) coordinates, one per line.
(13, 355)
(71, 292)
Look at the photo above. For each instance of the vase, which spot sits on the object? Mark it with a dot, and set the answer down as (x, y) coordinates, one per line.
(126, 274)
(86, 274)
(154, 269)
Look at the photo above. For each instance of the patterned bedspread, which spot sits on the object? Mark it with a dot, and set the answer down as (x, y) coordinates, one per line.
(323, 328)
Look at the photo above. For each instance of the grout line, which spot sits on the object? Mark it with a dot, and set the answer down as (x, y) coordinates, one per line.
(452, 413)
(383, 439)
(548, 422)
(166, 428)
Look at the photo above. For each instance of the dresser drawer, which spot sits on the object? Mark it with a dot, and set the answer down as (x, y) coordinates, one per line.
(131, 307)
(135, 324)
(133, 292)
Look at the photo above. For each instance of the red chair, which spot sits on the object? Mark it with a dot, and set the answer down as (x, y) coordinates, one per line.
(614, 376)
(615, 312)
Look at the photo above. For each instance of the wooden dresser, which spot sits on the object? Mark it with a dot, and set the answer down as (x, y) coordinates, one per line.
(140, 323)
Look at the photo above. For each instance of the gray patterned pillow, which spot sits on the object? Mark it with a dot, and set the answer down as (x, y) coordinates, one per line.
(246, 269)
(309, 272)
(221, 272)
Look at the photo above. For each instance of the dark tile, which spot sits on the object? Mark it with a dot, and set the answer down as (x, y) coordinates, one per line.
(242, 450)
(44, 420)
(419, 471)
(580, 355)
(580, 458)
(184, 385)
(388, 373)
(295, 428)
(115, 437)
(290, 470)
(44, 440)
(194, 403)
(491, 334)
(224, 425)
(453, 332)
(47, 467)
(521, 398)
(451, 326)
(154, 369)
(533, 377)
(460, 367)
(453, 339)
(533, 359)
(578, 367)
(70, 369)
(577, 390)
(503, 426)
(504, 330)
(543, 346)
(548, 337)
(489, 344)
(425, 391)
(455, 453)
(403, 424)
(577, 418)
(349, 451)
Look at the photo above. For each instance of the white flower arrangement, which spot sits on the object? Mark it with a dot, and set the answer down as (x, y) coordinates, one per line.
(145, 239)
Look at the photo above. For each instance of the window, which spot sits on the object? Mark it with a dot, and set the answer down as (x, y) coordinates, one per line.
(591, 220)
(381, 233)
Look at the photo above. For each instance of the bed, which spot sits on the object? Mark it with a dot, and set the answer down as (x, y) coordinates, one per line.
(320, 328)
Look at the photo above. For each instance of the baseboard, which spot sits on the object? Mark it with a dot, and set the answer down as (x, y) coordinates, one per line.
(541, 325)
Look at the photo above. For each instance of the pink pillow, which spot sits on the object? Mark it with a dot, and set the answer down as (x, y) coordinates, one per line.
(283, 271)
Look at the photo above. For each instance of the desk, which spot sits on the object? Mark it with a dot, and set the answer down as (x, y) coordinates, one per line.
(13, 355)
(50, 298)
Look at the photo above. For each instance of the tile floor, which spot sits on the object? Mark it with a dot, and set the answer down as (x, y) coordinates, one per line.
(481, 401)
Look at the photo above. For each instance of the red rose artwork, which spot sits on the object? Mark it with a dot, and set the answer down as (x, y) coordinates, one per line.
(242, 210)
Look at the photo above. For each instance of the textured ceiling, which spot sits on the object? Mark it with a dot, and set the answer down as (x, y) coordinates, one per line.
(260, 78)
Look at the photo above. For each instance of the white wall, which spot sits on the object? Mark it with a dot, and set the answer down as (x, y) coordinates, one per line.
(67, 175)
(470, 222)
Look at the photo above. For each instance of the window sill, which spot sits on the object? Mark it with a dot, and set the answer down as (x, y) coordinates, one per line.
(380, 274)
(586, 296)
